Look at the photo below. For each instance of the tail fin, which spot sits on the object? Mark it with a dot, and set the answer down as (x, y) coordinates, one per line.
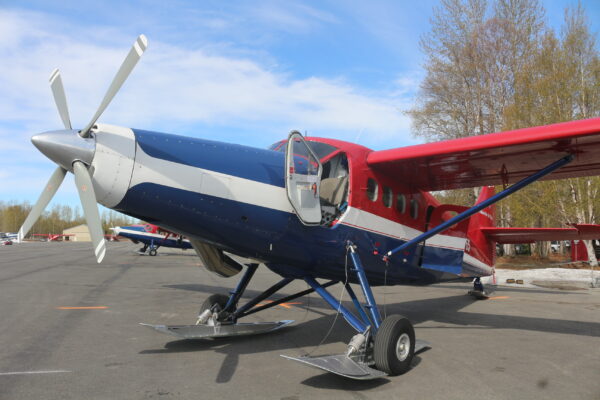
(480, 246)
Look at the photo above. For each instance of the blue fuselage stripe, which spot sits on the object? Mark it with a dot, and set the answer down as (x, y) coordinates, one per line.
(288, 247)
(259, 165)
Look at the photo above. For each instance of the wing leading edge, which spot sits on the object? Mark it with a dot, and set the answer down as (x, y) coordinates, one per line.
(494, 159)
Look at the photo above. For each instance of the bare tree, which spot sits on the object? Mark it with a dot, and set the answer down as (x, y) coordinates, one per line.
(562, 83)
(472, 60)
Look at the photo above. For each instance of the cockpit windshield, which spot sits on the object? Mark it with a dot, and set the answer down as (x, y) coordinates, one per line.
(322, 150)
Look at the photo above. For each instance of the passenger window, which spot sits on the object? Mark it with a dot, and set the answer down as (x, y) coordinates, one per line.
(401, 203)
(388, 197)
(414, 208)
(372, 189)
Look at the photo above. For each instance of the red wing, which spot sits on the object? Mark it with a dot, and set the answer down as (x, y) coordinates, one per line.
(494, 159)
(530, 235)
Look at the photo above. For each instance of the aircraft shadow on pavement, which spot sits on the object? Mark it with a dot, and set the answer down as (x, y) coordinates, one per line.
(305, 335)
(447, 309)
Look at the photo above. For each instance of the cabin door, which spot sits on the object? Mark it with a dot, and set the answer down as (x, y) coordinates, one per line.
(302, 178)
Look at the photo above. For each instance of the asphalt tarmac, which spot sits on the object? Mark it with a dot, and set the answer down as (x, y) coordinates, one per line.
(69, 330)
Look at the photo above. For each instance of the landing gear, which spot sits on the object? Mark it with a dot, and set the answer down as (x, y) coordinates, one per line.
(394, 345)
(481, 291)
(215, 302)
(153, 249)
(380, 348)
(219, 314)
(211, 310)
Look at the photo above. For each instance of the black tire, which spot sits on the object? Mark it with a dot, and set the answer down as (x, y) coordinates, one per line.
(391, 353)
(152, 252)
(216, 300)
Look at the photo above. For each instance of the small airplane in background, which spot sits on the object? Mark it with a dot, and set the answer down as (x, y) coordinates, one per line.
(319, 210)
(8, 236)
(52, 237)
(152, 237)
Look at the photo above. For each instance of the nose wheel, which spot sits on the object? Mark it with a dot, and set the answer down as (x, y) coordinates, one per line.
(215, 302)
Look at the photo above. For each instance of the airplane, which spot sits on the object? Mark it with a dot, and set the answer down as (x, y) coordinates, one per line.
(8, 236)
(318, 210)
(152, 236)
(51, 237)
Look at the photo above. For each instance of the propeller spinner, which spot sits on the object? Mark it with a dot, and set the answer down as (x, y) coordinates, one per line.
(74, 151)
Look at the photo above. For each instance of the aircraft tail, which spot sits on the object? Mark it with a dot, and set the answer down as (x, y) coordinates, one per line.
(483, 234)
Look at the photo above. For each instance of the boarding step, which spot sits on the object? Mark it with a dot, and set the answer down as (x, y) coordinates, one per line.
(204, 331)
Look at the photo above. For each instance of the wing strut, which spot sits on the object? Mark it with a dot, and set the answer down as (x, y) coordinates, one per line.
(478, 207)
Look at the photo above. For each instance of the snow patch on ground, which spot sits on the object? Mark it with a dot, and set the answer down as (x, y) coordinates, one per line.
(577, 276)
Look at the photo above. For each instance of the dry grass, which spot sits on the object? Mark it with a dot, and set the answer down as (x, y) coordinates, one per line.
(521, 262)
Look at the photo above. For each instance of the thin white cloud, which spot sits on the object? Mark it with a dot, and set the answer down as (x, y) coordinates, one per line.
(291, 17)
(173, 89)
(174, 85)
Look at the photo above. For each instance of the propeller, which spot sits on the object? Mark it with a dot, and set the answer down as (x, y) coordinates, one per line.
(51, 187)
(74, 151)
(138, 48)
(58, 91)
(90, 209)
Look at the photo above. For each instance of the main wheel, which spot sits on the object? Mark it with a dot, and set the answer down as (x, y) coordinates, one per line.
(394, 345)
(152, 252)
(215, 302)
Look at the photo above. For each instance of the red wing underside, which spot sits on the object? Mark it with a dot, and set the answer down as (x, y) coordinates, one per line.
(530, 235)
(494, 159)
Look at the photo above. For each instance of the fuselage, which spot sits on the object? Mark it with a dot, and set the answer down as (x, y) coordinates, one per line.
(234, 197)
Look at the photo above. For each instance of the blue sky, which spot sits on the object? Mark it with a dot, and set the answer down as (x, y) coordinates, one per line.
(238, 71)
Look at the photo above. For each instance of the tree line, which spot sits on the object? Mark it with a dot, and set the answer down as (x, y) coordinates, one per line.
(56, 219)
(497, 65)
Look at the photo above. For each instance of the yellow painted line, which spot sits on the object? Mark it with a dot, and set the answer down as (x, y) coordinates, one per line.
(498, 298)
(288, 305)
(285, 305)
(83, 308)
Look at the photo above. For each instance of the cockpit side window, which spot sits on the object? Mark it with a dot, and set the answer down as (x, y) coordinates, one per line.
(322, 150)
(278, 146)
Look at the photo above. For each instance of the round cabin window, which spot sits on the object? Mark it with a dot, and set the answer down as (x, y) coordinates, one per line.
(388, 197)
(414, 209)
(401, 203)
(372, 189)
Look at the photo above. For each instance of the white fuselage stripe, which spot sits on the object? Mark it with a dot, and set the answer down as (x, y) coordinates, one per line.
(211, 183)
(365, 220)
(469, 259)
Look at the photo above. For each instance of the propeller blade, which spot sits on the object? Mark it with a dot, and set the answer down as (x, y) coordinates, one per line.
(90, 209)
(131, 60)
(51, 187)
(58, 91)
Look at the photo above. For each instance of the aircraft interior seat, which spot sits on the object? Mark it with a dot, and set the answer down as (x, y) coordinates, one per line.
(333, 190)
